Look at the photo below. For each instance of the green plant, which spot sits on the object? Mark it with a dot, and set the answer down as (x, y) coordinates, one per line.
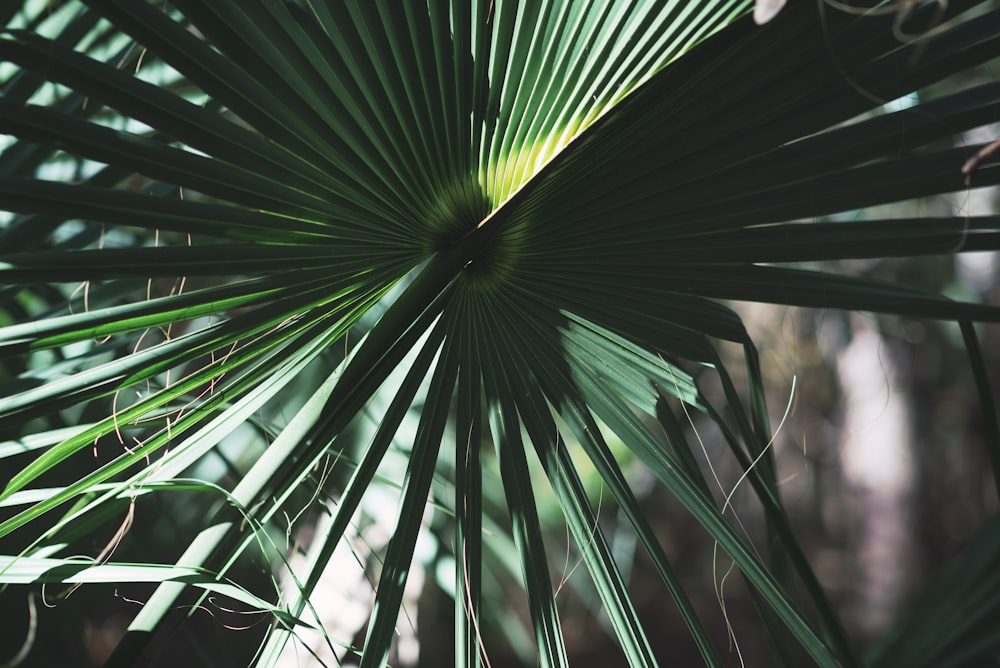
(526, 210)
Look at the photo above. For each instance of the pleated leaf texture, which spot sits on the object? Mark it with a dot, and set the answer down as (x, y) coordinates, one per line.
(496, 237)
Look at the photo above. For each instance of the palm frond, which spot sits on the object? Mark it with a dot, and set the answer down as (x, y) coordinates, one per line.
(506, 223)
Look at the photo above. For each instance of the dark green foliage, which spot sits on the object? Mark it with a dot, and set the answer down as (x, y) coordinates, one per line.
(383, 235)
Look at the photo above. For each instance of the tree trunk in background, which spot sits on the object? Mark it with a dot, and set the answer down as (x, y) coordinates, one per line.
(878, 467)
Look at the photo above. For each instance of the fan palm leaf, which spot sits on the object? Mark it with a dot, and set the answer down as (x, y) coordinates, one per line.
(530, 212)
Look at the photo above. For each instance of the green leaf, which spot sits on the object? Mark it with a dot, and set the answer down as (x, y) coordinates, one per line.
(498, 221)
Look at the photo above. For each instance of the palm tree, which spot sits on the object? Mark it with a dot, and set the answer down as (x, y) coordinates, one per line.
(366, 230)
